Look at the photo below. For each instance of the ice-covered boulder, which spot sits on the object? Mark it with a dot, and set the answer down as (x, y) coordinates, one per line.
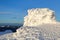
(39, 16)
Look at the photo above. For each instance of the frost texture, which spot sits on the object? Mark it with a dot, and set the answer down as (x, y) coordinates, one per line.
(39, 16)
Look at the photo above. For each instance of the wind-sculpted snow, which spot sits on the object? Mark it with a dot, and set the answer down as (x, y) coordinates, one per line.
(39, 16)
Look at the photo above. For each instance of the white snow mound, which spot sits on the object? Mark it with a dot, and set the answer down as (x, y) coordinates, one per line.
(39, 16)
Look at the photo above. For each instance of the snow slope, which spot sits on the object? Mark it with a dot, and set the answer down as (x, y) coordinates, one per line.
(42, 32)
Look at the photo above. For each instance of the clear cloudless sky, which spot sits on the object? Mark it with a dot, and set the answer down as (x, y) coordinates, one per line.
(13, 11)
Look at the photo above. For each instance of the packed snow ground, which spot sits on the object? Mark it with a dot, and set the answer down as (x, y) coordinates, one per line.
(42, 32)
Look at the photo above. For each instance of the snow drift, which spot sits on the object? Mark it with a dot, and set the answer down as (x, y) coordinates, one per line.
(39, 24)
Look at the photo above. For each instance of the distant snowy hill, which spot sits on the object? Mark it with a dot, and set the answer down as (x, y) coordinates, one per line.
(5, 32)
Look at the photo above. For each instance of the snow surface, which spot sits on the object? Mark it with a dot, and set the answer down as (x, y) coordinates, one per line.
(42, 32)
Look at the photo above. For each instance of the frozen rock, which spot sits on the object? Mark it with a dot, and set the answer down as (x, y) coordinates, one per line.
(39, 16)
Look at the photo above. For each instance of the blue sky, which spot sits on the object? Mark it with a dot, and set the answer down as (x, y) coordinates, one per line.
(13, 11)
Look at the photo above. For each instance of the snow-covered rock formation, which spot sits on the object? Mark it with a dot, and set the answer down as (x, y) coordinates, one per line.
(39, 16)
(39, 24)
